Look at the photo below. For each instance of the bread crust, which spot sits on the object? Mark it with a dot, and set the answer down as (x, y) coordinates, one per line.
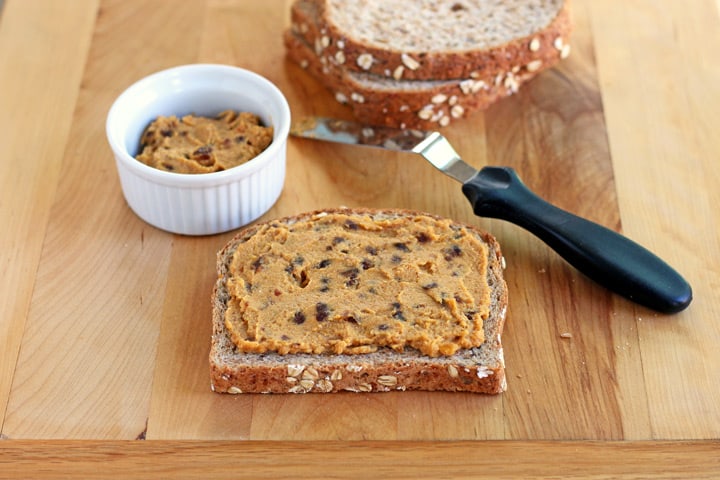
(480, 370)
(309, 19)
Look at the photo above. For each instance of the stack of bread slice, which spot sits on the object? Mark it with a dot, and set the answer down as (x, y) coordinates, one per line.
(425, 63)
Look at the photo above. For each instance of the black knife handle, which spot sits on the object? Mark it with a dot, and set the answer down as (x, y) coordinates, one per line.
(605, 256)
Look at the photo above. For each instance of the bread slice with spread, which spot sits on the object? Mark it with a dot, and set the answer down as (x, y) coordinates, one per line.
(359, 300)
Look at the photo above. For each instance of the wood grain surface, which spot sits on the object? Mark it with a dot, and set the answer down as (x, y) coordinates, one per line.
(105, 320)
(360, 460)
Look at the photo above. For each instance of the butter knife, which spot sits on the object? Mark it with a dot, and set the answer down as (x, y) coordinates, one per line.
(605, 256)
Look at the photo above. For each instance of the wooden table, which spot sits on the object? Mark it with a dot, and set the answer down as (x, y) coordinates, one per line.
(105, 320)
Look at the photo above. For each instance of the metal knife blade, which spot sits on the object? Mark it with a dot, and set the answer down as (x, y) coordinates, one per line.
(437, 150)
(431, 145)
(353, 133)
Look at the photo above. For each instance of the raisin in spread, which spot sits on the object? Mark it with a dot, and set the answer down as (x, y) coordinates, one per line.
(202, 145)
(349, 283)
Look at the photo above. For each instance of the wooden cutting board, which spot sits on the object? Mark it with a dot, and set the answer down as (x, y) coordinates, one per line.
(108, 331)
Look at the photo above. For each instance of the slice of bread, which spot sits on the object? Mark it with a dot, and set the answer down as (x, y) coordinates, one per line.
(438, 81)
(476, 369)
(435, 39)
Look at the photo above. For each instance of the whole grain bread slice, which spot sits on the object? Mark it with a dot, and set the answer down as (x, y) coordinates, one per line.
(413, 104)
(435, 39)
(480, 369)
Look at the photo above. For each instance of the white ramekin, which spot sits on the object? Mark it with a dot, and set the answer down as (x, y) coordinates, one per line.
(208, 203)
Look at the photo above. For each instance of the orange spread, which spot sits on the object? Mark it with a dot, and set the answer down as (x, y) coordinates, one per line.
(202, 145)
(351, 284)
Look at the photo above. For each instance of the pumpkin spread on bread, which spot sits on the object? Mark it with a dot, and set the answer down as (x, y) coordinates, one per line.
(324, 286)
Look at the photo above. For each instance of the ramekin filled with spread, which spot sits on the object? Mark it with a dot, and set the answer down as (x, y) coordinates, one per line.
(200, 149)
